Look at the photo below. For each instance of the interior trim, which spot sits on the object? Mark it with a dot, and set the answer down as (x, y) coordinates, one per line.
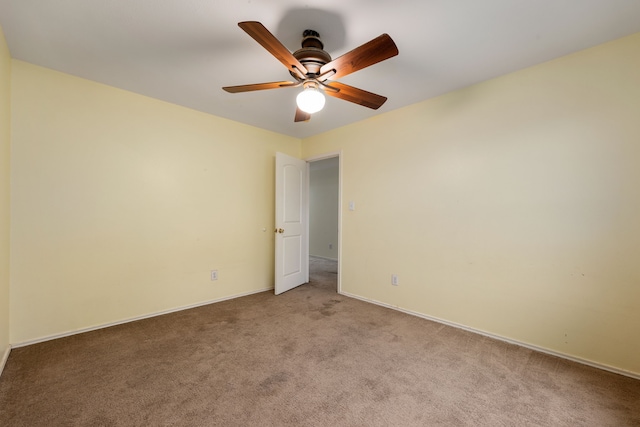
(324, 257)
(5, 357)
(133, 319)
(500, 338)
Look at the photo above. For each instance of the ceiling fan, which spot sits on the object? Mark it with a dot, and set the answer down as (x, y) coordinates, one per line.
(312, 67)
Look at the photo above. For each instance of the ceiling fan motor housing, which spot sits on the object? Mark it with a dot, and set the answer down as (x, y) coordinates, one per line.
(312, 55)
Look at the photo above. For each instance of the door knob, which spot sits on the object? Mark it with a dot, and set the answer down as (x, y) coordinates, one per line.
(280, 230)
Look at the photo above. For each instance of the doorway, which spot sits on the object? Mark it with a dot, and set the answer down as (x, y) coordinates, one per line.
(324, 220)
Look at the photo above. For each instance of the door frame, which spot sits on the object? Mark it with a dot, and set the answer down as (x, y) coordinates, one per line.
(316, 158)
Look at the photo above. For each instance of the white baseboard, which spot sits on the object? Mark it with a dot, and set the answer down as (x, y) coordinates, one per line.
(500, 338)
(5, 357)
(133, 319)
(324, 257)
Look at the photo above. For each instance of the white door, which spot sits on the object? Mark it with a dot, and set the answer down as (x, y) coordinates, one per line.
(292, 231)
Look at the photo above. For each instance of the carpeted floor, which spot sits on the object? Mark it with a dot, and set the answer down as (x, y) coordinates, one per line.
(309, 357)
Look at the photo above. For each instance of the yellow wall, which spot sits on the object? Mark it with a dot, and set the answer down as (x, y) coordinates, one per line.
(5, 139)
(511, 206)
(121, 205)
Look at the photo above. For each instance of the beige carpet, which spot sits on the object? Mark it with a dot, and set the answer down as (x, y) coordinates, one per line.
(309, 357)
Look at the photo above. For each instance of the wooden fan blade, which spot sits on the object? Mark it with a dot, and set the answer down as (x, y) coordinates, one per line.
(355, 95)
(301, 116)
(370, 53)
(258, 86)
(260, 34)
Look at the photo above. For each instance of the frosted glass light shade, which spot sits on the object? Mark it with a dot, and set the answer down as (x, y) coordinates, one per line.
(310, 100)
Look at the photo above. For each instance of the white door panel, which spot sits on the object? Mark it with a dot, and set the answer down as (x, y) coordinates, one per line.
(292, 252)
(292, 241)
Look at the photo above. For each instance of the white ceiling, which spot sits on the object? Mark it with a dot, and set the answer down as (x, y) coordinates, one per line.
(184, 51)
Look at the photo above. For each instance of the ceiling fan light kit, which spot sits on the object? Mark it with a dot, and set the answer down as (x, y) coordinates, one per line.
(310, 100)
(311, 67)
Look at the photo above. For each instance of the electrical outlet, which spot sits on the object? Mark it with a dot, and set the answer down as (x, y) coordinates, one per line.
(394, 280)
(214, 274)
